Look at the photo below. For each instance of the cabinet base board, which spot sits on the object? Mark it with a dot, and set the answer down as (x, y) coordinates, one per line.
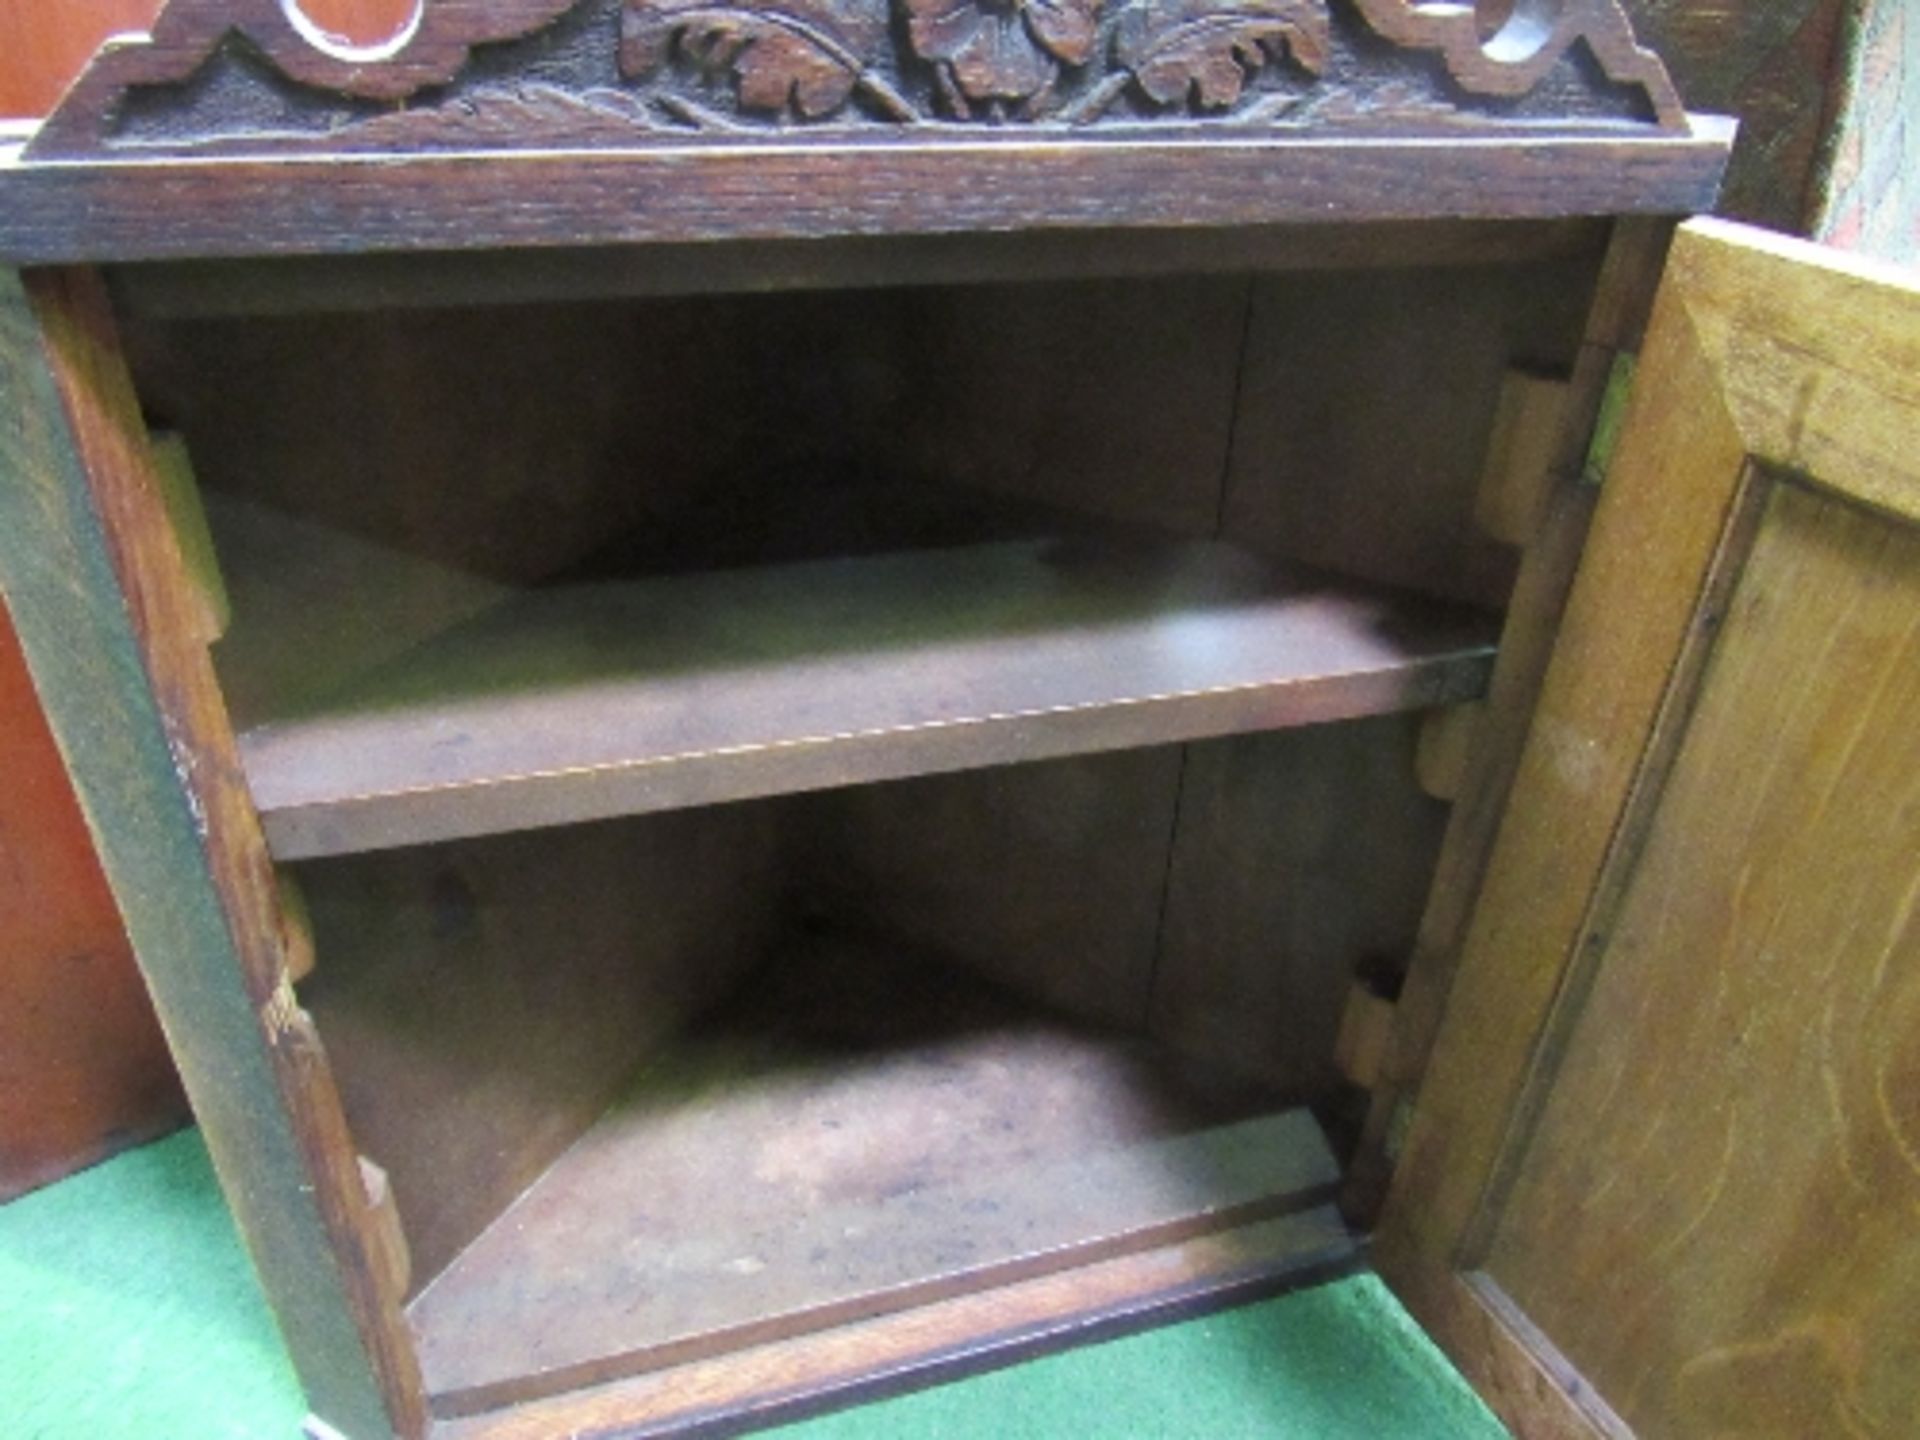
(812, 1374)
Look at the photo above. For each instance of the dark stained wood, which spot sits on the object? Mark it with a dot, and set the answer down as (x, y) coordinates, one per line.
(83, 1064)
(1317, 476)
(417, 462)
(1299, 859)
(793, 1378)
(1619, 305)
(484, 1002)
(865, 1133)
(1047, 878)
(187, 289)
(250, 75)
(108, 624)
(478, 448)
(126, 210)
(316, 605)
(1782, 67)
(1674, 1060)
(83, 1068)
(1106, 398)
(591, 701)
(548, 510)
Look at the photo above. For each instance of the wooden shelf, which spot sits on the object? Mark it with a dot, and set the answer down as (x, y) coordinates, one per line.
(866, 1133)
(595, 700)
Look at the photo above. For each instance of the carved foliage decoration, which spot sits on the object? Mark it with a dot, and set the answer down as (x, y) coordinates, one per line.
(803, 56)
(1001, 49)
(1205, 49)
(251, 74)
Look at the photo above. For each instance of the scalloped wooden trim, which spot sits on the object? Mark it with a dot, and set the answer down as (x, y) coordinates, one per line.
(432, 49)
(1532, 41)
(436, 45)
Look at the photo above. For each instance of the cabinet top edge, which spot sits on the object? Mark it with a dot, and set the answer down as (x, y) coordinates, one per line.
(110, 210)
(235, 127)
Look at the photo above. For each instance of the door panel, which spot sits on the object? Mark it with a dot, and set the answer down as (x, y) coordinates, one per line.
(1664, 1174)
(1701, 1221)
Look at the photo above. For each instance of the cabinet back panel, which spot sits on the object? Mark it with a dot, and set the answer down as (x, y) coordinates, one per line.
(1048, 878)
(1366, 404)
(1300, 857)
(519, 443)
(484, 1001)
(1113, 398)
(1220, 895)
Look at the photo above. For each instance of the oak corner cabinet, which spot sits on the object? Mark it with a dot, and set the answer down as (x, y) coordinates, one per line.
(788, 696)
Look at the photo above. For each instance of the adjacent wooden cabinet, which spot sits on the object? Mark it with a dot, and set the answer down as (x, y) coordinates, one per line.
(791, 696)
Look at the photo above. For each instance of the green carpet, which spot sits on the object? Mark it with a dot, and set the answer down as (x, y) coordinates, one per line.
(127, 1309)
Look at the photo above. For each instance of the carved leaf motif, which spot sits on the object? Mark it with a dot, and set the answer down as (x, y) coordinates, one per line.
(798, 54)
(1209, 48)
(1003, 49)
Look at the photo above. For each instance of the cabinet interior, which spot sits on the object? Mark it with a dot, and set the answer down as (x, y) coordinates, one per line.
(817, 803)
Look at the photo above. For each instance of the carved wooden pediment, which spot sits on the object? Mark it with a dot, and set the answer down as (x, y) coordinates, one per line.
(254, 76)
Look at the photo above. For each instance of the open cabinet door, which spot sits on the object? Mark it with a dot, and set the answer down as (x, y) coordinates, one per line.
(1663, 1177)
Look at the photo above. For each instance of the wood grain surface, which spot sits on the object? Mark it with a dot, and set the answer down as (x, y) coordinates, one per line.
(791, 1379)
(126, 210)
(1614, 325)
(1706, 882)
(188, 860)
(1316, 477)
(589, 701)
(1714, 1217)
(1049, 879)
(864, 1132)
(257, 75)
(1299, 860)
(484, 1002)
(183, 289)
(108, 624)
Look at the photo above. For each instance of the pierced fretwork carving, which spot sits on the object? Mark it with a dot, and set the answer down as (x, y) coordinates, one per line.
(252, 75)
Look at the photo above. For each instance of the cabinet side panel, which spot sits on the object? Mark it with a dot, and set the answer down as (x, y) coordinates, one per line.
(84, 561)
